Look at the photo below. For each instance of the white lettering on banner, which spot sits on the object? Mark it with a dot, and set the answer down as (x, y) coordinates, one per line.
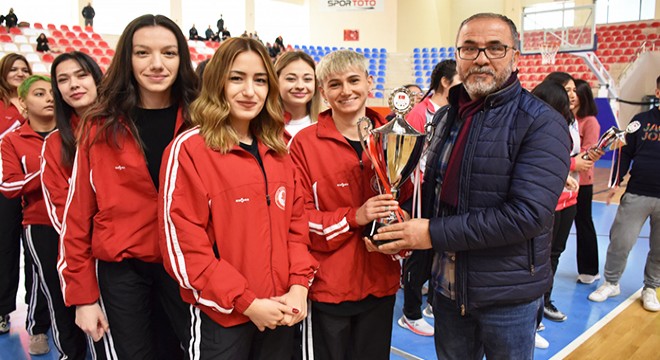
(352, 5)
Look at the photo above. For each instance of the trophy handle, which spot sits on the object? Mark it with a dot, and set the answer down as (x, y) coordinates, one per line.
(364, 132)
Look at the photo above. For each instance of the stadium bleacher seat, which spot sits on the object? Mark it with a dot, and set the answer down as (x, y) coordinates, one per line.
(39, 68)
(51, 27)
(63, 42)
(76, 28)
(38, 26)
(47, 58)
(26, 48)
(83, 36)
(15, 31)
(85, 50)
(103, 44)
(378, 94)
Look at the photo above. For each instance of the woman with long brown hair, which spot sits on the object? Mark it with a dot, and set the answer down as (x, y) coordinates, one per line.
(110, 262)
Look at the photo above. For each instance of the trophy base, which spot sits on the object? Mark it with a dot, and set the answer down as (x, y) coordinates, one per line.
(371, 229)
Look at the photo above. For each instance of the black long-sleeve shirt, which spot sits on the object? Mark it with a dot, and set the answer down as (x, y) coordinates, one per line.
(643, 150)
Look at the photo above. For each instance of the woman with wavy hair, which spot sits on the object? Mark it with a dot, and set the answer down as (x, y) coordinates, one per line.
(110, 262)
(297, 82)
(246, 281)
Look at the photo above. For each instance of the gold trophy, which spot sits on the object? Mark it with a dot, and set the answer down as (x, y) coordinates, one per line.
(394, 150)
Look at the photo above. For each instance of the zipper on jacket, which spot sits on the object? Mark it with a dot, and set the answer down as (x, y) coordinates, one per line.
(532, 260)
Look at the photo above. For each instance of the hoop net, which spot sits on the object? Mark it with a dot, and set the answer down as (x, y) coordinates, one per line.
(549, 52)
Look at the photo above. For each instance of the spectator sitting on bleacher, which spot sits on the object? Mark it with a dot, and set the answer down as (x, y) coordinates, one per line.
(225, 34)
(211, 36)
(10, 19)
(42, 43)
(193, 35)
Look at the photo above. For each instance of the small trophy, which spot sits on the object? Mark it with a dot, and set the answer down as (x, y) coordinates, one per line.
(613, 138)
(394, 150)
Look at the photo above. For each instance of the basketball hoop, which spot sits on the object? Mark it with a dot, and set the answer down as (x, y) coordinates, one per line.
(549, 52)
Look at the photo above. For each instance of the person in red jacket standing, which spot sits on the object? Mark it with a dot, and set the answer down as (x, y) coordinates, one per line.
(19, 162)
(233, 226)
(75, 77)
(110, 261)
(14, 69)
(354, 290)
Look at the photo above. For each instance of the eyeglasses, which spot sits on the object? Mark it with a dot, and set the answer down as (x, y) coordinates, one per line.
(470, 52)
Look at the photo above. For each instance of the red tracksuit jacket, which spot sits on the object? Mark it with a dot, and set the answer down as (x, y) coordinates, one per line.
(20, 158)
(255, 218)
(10, 118)
(110, 214)
(55, 176)
(336, 183)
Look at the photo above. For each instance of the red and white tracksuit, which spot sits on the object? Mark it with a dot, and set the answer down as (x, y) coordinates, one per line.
(254, 217)
(336, 183)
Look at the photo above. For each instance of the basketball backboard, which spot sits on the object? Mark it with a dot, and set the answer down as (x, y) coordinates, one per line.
(562, 25)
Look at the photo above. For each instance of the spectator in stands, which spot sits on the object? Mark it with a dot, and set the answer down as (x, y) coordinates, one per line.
(42, 43)
(210, 35)
(10, 19)
(88, 14)
(14, 69)
(354, 291)
(220, 24)
(193, 35)
(489, 204)
(585, 111)
(417, 268)
(297, 80)
(225, 34)
(121, 141)
(640, 201)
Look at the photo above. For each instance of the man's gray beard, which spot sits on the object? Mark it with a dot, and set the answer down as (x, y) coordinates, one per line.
(479, 89)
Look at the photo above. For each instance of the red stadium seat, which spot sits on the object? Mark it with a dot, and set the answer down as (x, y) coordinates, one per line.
(38, 26)
(3, 30)
(63, 42)
(83, 36)
(90, 43)
(70, 35)
(64, 28)
(629, 51)
(56, 33)
(623, 59)
(69, 49)
(98, 52)
(103, 44)
(52, 41)
(85, 50)
(104, 61)
(77, 42)
(110, 52)
(652, 36)
(51, 27)
(47, 58)
(6, 38)
(89, 29)
(96, 36)
(76, 28)
(15, 31)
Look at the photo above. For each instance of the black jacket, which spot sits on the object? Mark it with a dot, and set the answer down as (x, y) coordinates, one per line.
(514, 167)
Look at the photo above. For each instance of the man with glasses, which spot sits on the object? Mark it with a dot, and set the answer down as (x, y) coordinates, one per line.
(496, 165)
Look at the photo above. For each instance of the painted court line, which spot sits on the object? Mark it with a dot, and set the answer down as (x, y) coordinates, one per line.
(597, 326)
(403, 354)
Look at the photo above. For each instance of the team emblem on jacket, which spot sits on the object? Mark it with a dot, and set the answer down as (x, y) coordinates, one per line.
(280, 197)
(375, 185)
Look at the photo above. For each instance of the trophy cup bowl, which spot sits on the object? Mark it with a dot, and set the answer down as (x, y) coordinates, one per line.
(613, 138)
(394, 150)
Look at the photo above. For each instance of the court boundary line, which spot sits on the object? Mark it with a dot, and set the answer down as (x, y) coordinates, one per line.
(597, 326)
(404, 354)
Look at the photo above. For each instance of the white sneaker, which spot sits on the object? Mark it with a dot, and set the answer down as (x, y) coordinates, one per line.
(605, 291)
(541, 327)
(419, 327)
(650, 300)
(428, 311)
(540, 342)
(588, 279)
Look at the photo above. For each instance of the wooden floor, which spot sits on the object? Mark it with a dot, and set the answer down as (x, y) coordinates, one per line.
(634, 333)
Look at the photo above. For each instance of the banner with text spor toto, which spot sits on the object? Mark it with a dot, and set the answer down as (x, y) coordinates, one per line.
(352, 5)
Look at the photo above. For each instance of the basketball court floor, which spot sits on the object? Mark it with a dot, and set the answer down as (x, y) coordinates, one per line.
(584, 317)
